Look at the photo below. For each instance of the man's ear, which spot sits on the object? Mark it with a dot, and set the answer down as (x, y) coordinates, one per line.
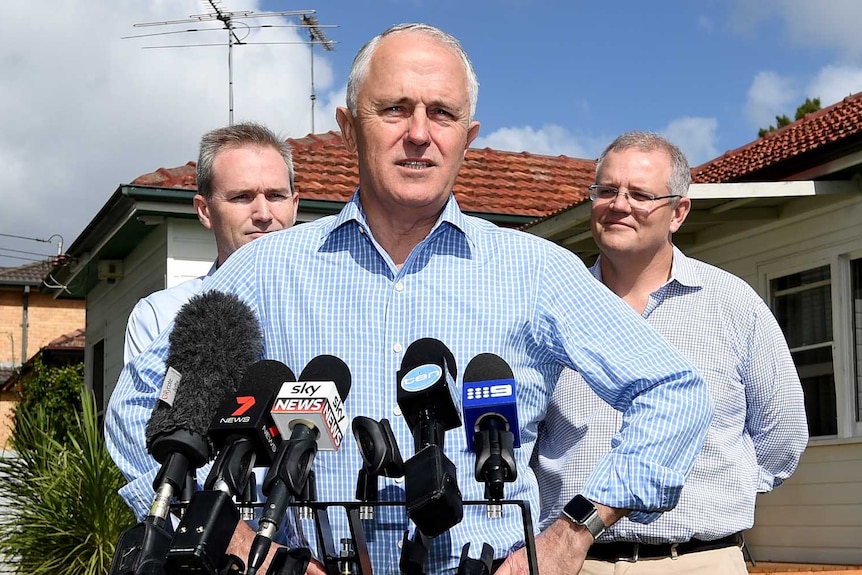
(472, 133)
(345, 122)
(203, 210)
(680, 213)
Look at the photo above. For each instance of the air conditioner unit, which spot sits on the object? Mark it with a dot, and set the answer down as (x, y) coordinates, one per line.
(111, 270)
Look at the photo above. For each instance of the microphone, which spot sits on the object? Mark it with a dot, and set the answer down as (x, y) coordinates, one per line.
(310, 413)
(425, 383)
(491, 423)
(243, 433)
(380, 456)
(215, 336)
(243, 430)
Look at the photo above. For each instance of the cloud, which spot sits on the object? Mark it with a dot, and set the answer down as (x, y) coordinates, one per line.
(549, 140)
(824, 23)
(834, 83)
(85, 110)
(770, 95)
(830, 23)
(696, 137)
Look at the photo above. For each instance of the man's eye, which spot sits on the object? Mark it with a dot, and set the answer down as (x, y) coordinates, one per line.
(277, 197)
(238, 198)
(441, 113)
(640, 196)
(606, 193)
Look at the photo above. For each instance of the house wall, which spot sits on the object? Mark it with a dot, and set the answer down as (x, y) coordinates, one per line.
(169, 254)
(816, 516)
(8, 401)
(47, 319)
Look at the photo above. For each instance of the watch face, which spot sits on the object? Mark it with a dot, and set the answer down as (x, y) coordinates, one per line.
(579, 508)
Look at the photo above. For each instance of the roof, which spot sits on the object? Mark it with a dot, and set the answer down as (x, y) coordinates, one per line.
(490, 181)
(821, 136)
(72, 340)
(29, 274)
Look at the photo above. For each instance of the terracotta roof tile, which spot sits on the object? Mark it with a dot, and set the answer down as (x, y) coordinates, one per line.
(75, 339)
(31, 274)
(813, 132)
(490, 181)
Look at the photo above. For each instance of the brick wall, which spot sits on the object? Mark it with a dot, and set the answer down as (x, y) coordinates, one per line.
(8, 400)
(48, 319)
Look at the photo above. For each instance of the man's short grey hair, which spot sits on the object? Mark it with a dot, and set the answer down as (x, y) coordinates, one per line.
(217, 141)
(359, 69)
(680, 174)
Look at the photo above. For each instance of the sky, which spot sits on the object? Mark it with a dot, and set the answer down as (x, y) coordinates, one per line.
(85, 109)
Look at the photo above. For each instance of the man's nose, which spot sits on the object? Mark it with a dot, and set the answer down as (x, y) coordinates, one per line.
(621, 202)
(261, 210)
(417, 126)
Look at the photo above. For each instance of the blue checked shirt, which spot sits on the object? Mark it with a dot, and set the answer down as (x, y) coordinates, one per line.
(758, 431)
(328, 288)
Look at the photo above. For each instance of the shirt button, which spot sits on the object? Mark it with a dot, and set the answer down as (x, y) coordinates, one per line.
(399, 543)
(397, 411)
(399, 287)
(397, 348)
(399, 480)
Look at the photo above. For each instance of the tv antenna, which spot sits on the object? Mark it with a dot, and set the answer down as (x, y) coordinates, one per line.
(232, 21)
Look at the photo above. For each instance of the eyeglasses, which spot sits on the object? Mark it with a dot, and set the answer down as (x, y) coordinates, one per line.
(636, 199)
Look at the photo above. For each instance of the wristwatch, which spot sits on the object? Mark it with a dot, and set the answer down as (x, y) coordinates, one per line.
(581, 511)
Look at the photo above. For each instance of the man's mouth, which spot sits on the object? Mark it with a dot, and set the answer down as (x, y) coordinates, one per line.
(415, 164)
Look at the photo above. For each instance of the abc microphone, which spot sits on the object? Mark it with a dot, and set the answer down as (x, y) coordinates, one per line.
(215, 336)
(310, 415)
(491, 423)
(425, 383)
(243, 433)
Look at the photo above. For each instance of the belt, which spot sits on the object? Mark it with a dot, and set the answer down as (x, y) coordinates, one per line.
(627, 551)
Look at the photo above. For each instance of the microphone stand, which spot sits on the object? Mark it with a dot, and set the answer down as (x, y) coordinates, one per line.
(495, 463)
(142, 548)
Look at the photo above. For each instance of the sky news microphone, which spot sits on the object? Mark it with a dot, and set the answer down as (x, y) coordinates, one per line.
(214, 338)
(309, 415)
(491, 423)
(426, 382)
(245, 436)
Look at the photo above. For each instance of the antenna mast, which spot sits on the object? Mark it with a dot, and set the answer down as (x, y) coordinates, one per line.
(228, 21)
(316, 36)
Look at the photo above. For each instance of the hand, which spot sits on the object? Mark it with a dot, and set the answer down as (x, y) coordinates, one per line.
(560, 550)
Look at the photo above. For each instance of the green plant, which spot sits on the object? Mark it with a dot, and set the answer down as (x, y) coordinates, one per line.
(63, 513)
(54, 389)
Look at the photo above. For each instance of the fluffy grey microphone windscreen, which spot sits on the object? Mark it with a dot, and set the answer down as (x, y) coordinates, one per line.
(216, 336)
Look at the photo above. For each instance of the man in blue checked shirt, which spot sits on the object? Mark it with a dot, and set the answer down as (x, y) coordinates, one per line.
(719, 323)
(402, 262)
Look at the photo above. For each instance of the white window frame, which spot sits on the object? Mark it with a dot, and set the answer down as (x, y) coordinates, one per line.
(838, 258)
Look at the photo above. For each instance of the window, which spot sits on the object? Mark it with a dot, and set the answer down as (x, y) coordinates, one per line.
(856, 305)
(802, 303)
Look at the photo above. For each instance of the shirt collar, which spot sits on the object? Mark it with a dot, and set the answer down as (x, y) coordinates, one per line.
(681, 270)
(353, 212)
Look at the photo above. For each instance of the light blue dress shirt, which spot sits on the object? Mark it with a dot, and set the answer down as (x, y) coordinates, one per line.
(327, 287)
(758, 431)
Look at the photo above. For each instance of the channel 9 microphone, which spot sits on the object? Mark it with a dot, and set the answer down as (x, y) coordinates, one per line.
(425, 384)
(309, 415)
(245, 436)
(491, 423)
(214, 338)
